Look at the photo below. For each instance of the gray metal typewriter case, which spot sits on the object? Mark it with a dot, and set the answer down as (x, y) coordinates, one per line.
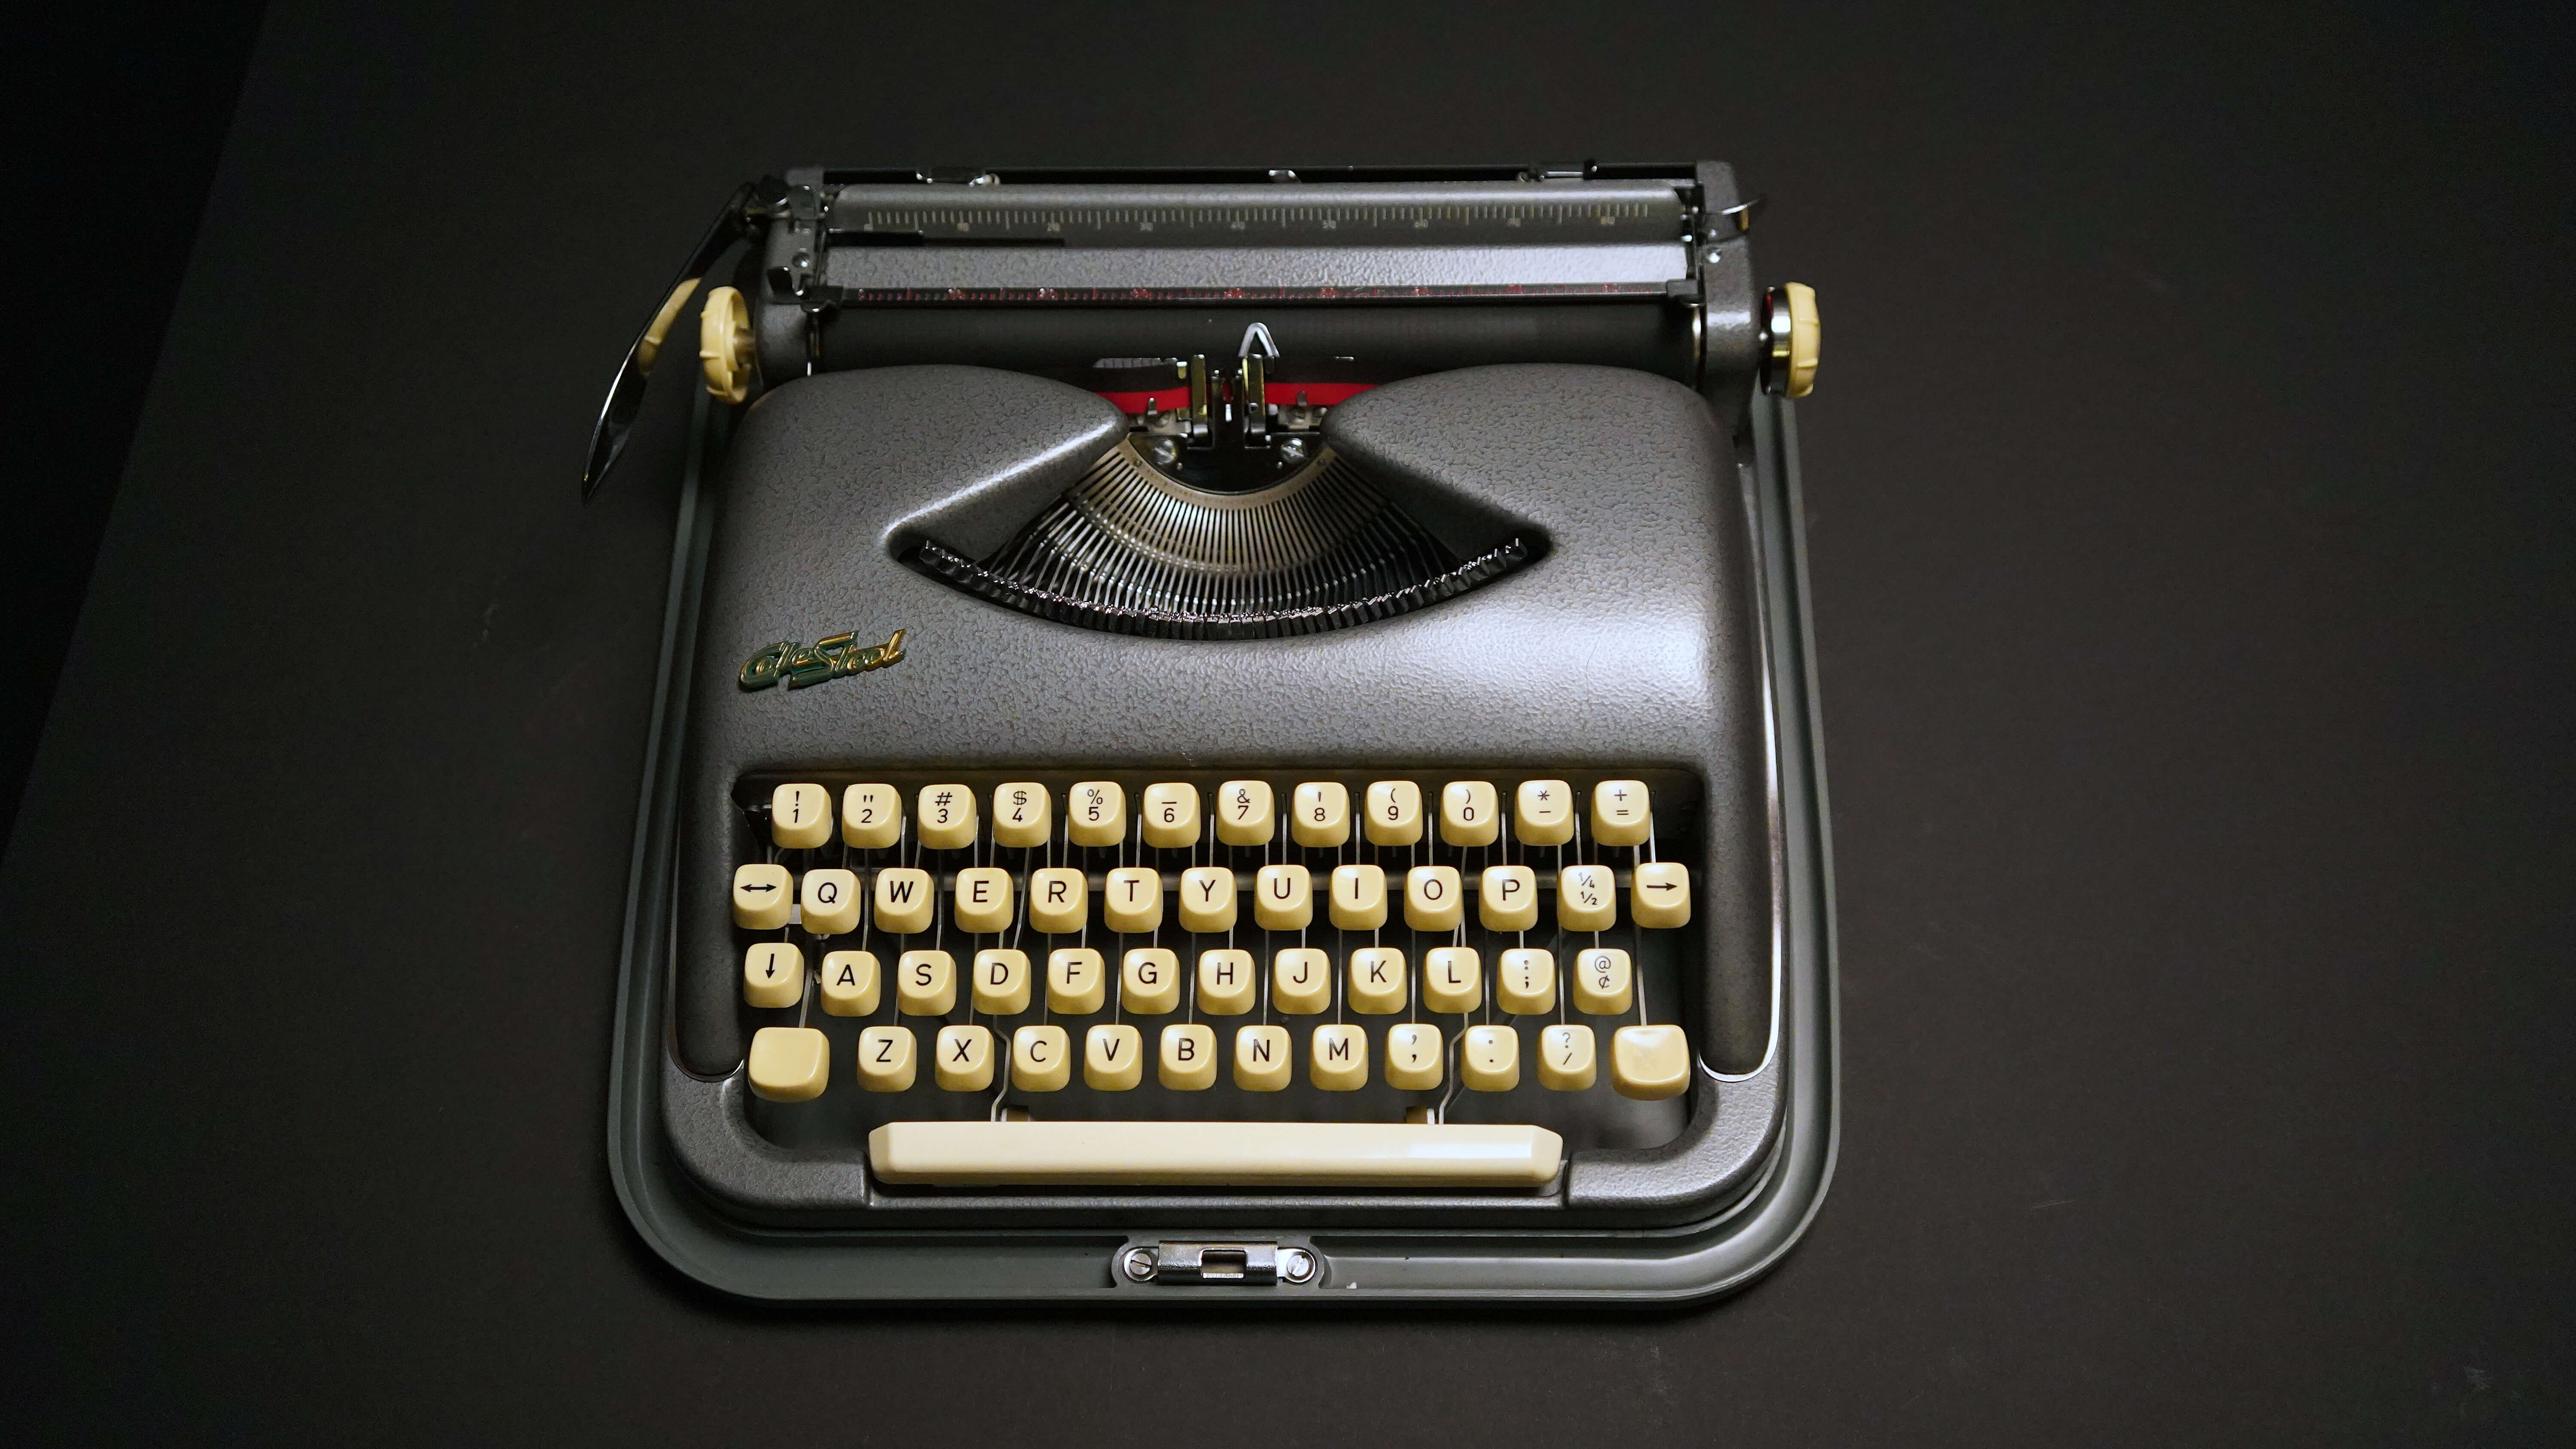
(1600, 484)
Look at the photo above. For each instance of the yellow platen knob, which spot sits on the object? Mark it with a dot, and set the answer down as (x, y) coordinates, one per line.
(725, 344)
(1806, 339)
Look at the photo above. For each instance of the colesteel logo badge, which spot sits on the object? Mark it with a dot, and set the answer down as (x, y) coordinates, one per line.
(803, 664)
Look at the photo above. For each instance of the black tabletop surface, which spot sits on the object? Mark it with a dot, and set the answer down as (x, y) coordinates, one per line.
(2188, 513)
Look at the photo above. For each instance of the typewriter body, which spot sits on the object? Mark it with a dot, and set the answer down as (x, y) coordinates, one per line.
(1230, 736)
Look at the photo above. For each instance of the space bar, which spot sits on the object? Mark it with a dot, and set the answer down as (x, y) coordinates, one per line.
(1215, 1154)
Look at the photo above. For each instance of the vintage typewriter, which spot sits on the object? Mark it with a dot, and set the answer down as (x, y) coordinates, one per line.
(1230, 735)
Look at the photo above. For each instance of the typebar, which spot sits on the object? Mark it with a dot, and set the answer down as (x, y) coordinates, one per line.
(1215, 1154)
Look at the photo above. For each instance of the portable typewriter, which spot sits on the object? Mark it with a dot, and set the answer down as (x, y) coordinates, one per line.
(1230, 735)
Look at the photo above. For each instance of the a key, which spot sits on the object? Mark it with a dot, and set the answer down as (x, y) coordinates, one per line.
(1077, 981)
(1358, 897)
(790, 1063)
(831, 901)
(1113, 1058)
(1489, 1060)
(1170, 810)
(1392, 812)
(1228, 983)
(1131, 900)
(1619, 813)
(1469, 813)
(1660, 897)
(1041, 1059)
(1150, 981)
(762, 897)
(800, 816)
(925, 983)
(1301, 981)
(1543, 812)
(1525, 981)
(1413, 1056)
(1507, 898)
(944, 817)
(1059, 900)
(1187, 1062)
(1207, 899)
(773, 975)
(1603, 983)
(1095, 813)
(1565, 1058)
(1283, 898)
(905, 899)
(887, 1061)
(871, 816)
(1022, 814)
(849, 983)
(1377, 986)
(1338, 1061)
(1261, 1058)
(963, 1058)
(1253, 1156)
(1453, 979)
(1245, 814)
(1587, 898)
(1434, 899)
(983, 900)
(1649, 1063)
(1001, 982)
(1319, 813)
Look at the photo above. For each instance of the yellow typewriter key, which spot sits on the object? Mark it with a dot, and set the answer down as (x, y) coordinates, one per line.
(1649, 1063)
(1413, 1056)
(1489, 1060)
(1059, 900)
(762, 895)
(1283, 898)
(1301, 981)
(773, 975)
(1319, 813)
(1188, 1060)
(1207, 899)
(1261, 1058)
(1245, 814)
(1452, 979)
(1543, 812)
(1377, 985)
(1340, 1058)
(1392, 813)
(1041, 1059)
(1469, 813)
(945, 817)
(830, 899)
(849, 983)
(1113, 1058)
(1358, 897)
(1525, 982)
(871, 816)
(1619, 812)
(1229, 983)
(983, 900)
(1587, 898)
(1095, 813)
(1171, 814)
(925, 983)
(1603, 984)
(1433, 898)
(1565, 1061)
(1131, 900)
(905, 899)
(886, 1059)
(1021, 814)
(800, 816)
(1661, 896)
(964, 1058)
(1149, 981)
(790, 1063)
(1077, 981)
(1507, 898)
(1001, 982)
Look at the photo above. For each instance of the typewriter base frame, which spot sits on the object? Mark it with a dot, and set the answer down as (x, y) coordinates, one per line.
(1564, 1260)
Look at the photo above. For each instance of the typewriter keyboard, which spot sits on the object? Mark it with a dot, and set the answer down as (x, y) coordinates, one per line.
(1302, 979)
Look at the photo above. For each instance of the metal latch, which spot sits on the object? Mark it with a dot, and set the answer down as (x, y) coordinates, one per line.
(1257, 1265)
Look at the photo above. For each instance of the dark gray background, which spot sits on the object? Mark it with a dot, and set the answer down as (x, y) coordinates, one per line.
(2188, 504)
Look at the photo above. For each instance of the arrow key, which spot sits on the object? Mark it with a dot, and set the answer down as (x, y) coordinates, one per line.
(762, 895)
(1661, 894)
